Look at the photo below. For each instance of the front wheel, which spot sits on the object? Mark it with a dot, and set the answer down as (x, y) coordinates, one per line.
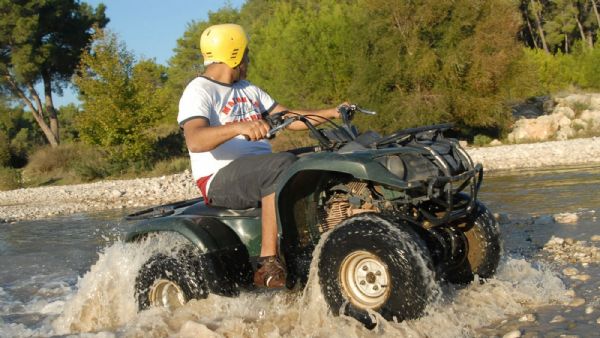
(484, 248)
(369, 264)
(169, 282)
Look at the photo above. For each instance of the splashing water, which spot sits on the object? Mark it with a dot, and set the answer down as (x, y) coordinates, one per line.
(105, 302)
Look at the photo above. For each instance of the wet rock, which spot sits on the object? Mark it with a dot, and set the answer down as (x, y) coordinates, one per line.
(577, 302)
(555, 241)
(583, 278)
(566, 218)
(589, 310)
(557, 319)
(570, 271)
(512, 334)
(529, 317)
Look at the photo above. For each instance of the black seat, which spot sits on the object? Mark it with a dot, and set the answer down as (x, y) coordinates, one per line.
(202, 209)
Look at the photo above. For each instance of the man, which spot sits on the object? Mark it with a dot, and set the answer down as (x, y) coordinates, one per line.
(221, 116)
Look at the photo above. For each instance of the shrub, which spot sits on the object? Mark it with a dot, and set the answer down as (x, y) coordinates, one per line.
(69, 163)
(10, 178)
(481, 140)
(171, 166)
(47, 159)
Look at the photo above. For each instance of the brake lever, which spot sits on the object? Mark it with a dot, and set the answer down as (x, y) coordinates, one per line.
(364, 111)
(271, 133)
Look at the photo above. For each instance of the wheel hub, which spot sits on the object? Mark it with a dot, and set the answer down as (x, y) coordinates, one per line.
(165, 293)
(365, 279)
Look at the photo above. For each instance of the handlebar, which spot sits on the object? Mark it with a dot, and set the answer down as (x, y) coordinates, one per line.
(281, 120)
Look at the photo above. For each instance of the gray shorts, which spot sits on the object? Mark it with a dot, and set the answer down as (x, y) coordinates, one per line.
(245, 181)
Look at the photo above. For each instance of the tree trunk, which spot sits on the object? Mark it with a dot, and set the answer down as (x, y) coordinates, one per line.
(595, 8)
(52, 116)
(581, 32)
(532, 33)
(597, 17)
(538, 23)
(36, 110)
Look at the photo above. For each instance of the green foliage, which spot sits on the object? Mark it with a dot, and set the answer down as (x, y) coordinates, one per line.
(579, 69)
(41, 41)
(557, 25)
(312, 63)
(5, 151)
(10, 178)
(123, 102)
(481, 140)
(68, 130)
(432, 61)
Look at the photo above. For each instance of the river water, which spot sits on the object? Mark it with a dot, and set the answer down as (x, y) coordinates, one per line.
(74, 276)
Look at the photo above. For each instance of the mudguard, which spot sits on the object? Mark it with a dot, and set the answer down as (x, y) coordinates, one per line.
(358, 164)
(208, 234)
(221, 252)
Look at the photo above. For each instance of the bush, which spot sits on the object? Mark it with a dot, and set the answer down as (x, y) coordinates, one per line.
(68, 163)
(10, 178)
(481, 140)
(171, 166)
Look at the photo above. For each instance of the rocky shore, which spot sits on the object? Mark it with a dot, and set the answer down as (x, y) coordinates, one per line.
(44, 202)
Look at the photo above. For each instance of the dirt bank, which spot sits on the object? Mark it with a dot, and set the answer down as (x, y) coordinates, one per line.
(36, 203)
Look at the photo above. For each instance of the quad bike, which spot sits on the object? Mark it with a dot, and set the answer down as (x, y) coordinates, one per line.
(396, 214)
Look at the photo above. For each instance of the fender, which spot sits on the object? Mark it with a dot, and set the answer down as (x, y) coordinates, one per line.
(359, 164)
(208, 234)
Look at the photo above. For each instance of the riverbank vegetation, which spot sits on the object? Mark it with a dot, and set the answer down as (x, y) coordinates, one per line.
(420, 62)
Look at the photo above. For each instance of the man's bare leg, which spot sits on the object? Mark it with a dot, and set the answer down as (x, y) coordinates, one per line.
(269, 227)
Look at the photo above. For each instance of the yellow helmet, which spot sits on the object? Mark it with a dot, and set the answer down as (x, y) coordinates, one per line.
(224, 43)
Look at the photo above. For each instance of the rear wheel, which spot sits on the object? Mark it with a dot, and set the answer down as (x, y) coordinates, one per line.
(169, 282)
(369, 264)
(484, 248)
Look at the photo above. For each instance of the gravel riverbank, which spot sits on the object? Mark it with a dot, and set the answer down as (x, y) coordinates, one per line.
(43, 202)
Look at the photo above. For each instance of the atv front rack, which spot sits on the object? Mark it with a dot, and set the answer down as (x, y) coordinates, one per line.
(451, 195)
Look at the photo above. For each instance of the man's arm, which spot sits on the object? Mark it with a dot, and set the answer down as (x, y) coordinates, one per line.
(330, 113)
(200, 136)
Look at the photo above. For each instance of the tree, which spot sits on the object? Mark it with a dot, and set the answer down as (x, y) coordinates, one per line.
(123, 101)
(42, 41)
(305, 55)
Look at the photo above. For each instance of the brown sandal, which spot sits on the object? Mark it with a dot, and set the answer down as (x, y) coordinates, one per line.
(271, 273)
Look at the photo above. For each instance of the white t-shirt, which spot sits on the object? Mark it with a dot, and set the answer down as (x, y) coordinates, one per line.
(221, 104)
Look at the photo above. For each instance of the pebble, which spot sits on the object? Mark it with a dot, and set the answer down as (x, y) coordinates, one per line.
(577, 302)
(596, 238)
(117, 193)
(557, 319)
(50, 201)
(512, 334)
(598, 320)
(566, 218)
(530, 317)
(583, 278)
(570, 271)
(589, 310)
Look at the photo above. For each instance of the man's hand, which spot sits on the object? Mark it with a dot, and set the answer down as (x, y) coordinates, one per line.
(253, 130)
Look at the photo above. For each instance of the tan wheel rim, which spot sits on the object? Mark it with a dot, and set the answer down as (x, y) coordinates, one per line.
(165, 293)
(365, 279)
